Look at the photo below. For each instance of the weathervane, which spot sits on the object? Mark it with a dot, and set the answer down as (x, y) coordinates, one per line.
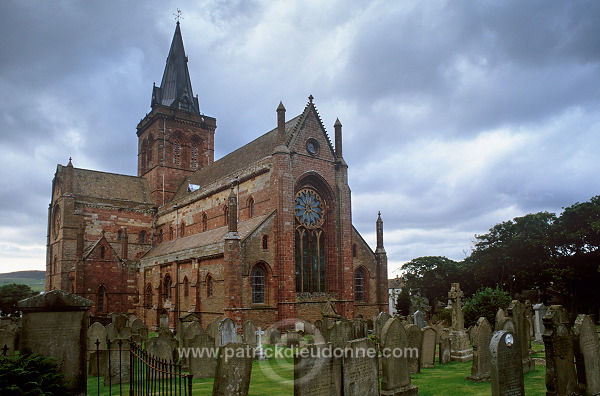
(178, 15)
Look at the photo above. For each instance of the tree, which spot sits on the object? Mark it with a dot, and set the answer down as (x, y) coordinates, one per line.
(485, 302)
(431, 276)
(30, 374)
(12, 293)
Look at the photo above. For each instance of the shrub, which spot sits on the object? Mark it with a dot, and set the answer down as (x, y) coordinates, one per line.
(485, 302)
(30, 374)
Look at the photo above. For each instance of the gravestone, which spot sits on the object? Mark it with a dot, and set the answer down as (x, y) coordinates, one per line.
(117, 363)
(538, 323)
(506, 367)
(318, 338)
(189, 331)
(445, 349)
(414, 338)
(340, 334)
(234, 367)
(54, 325)
(203, 363)
(125, 333)
(516, 311)
(508, 325)
(111, 332)
(360, 369)
(499, 323)
(329, 317)
(419, 319)
(359, 328)
(458, 337)
(119, 320)
(471, 333)
(378, 322)
(249, 329)
(293, 339)
(274, 337)
(299, 327)
(162, 347)
(481, 368)
(558, 342)
(96, 332)
(227, 331)
(587, 355)
(163, 321)
(259, 353)
(313, 372)
(395, 376)
(428, 347)
(528, 313)
(213, 330)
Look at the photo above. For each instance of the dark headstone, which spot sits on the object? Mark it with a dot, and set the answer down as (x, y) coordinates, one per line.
(274, 337)
(313, 372)
(202, 358)
(359, 328)
(428, 347)
(54, 325)
(516, 311)
(507, 371)
(360, 371)
(293, 339)
(234, 367)
(558, 342)
(394, 362)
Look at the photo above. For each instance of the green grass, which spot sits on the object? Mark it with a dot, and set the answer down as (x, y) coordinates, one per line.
(276, 377)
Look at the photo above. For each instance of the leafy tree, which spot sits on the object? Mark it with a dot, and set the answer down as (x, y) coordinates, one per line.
(431, 276)
(30, 374)
(12, 293)
(403, 302)
(485, 302)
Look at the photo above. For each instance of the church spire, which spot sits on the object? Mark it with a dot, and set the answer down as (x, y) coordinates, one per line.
(176, 87)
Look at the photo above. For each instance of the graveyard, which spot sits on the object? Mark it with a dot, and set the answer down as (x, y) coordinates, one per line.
(539, 351)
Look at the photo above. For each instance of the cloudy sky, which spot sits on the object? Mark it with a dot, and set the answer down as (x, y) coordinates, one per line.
(457, 114)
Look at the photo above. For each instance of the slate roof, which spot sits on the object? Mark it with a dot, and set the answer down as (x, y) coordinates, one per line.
(209, 242)
(105, 185)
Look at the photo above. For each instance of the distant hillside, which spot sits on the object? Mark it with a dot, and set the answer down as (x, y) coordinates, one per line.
(37, 275)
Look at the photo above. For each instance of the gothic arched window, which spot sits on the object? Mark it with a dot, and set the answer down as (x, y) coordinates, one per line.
(251, 208)
(265, 242)
(176, 152)
(101, 299)
(204, 222)
(182, 229)
(226, 215)
(258, 285)
(311, 269)
(359, 285)
(186, 287)
(149, 296)
(167, 287)
(209, 286)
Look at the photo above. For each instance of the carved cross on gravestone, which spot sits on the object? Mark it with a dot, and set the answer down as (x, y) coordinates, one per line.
(455, 295)
(260, 352)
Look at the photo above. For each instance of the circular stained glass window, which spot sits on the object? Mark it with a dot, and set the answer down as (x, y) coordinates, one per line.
(309, 208)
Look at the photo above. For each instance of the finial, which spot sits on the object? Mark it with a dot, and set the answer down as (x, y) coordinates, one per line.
(178, 15)
(310, 99)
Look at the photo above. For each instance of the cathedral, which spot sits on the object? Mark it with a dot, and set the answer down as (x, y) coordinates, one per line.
(263, 234)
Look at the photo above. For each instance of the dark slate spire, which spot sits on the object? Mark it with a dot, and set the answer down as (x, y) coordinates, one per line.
(176, 88)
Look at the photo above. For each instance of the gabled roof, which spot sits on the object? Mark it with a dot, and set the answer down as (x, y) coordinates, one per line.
(90, 249)
(176, 87)
(205, 243)
(104, 185)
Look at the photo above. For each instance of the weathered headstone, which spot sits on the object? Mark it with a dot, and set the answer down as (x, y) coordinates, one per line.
(318, 338)
(506, 367)
(395, 375)
(313, 372)
(414, 338)
(164, 321)
(499, 323)
(119, 320)
(213, 330)
(359, 367)
(249, 329)
(428, 347)
(259, 353)
(111, 332)
(558, 342)
(293, 339)
(54, 325)
(161, 347)
(125, 333)
(458, 337)
(340, 334)
(234, 367)
(538, 323)
(202, 357)
(455, 296)
(274, 336)
(445, 349)
(118, 363)
(481, 368)
(359, 328)
(96, 332)
(227, 331)
(516, 310)
(419, 319)
(587, 355)
(378, 322)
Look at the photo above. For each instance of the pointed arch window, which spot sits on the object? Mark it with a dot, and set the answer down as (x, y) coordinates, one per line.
(182, 229)
(143, 237)
(354, 250)
(102, 252)
(186, 287)
(310, 246)
(177, 152)
(171, 233)
(209, 286)
(149, 152)
(226, 215)
(101, 299)
(258, 285)
(149, 296)
(167, 287)
(204, 222)
(251, 207)
(160, 236)
(144, 158)
(194, 159)
(360, 285)
(265, 242)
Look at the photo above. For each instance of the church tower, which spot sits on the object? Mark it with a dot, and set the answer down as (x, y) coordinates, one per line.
(175, 139)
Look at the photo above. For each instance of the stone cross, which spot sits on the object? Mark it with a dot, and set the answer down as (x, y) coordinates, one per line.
(455, 295)
(260, 352)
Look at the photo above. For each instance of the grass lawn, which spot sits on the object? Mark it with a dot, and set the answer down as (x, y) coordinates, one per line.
(276, 377)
